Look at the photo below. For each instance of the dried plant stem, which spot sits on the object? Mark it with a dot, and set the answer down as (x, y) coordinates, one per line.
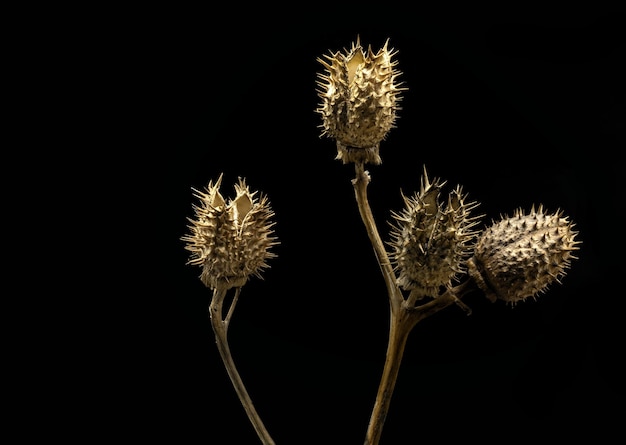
(220, 328)
(399, 330)
(404, 315)
(360, 183)
(402, 321)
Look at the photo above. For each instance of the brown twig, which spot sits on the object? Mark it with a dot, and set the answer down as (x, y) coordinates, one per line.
(220, 328)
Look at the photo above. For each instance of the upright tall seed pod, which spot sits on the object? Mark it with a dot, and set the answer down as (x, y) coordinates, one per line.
(431, 240)
(360, 96)
(230, 241)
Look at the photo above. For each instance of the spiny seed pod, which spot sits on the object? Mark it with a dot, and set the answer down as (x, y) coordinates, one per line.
(431, 241)
(230, 241)
(520, 256)
(360, 98)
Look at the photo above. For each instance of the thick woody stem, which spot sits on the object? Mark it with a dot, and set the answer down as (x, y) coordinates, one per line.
(401, 324)
(220, 328)
(400, 327)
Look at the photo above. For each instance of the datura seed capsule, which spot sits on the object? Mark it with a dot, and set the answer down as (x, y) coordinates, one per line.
(230, 241)
(520, 256)
(360, 95)
(432, 240)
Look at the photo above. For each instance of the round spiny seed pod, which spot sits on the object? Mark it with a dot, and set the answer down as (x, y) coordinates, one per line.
(520, 256)
(230, 241)
(360, 98)
(431, 240)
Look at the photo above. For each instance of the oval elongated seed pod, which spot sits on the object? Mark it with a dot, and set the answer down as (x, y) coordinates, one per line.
(360, 95)
(520, 256)
(431, 240)
(230, 241)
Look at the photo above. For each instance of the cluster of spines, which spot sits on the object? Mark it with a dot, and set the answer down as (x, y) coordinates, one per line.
(360, 96)
(230, 241)
(521, 255)
(430, 240)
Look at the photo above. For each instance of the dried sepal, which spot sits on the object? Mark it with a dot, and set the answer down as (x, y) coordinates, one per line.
(230, 241)
(521, 255)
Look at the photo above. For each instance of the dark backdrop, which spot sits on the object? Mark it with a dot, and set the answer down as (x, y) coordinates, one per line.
(518, 108)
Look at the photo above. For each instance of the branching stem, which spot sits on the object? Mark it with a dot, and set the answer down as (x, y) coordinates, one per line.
(403, 316)
(220, 328)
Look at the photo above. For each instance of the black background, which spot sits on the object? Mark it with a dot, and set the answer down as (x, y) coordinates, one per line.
(518, 108)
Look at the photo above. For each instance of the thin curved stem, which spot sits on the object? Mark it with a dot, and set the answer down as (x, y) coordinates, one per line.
(231, 309)
(220, 328)
(449, 297)
(360, 183)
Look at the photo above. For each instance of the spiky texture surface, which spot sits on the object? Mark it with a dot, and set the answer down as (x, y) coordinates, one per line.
(230, 241)
(360, 95)
(432, 240)
(521, 255)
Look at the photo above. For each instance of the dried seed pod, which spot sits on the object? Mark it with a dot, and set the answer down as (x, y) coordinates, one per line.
(230, 241)
(360, 95)
(432, 240)
(520, 256)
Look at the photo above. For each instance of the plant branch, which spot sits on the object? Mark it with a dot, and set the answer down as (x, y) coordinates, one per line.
(450, 296)
(401, 324)
(231, 309)
(399, 329)
(404, 315)
(360, 183)
(220, 328)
